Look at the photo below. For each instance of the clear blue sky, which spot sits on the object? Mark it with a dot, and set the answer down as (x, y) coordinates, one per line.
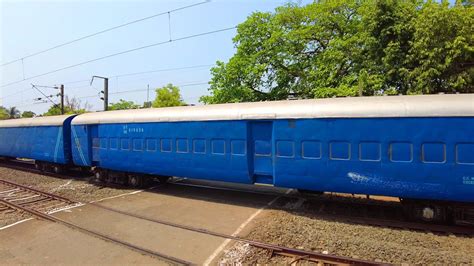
(31, 26)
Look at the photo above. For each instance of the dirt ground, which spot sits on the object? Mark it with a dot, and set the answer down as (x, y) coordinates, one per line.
(301, 228)
(76, 189)
(293, 225)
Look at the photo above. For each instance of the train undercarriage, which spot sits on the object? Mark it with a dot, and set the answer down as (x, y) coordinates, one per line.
(430, 211)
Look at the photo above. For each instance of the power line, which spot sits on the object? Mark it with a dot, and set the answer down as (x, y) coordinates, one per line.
(113, 93)
(117, 76)
(140, 90)
(121, 53)
(47, 97)
(143, 72)
(104, 31)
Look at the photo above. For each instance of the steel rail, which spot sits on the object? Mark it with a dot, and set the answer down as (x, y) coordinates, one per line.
(272, 247)
(43, 193)
(396, 224)
(96, 234)
(285, 251)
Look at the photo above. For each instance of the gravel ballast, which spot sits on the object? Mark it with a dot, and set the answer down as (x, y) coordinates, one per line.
(301, 228)
(77, 189)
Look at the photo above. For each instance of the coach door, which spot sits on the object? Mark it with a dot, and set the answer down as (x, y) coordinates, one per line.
(94, 133)
(260, 145)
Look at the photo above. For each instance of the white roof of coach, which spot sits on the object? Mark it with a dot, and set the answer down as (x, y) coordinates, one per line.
(35, 122)
(451, 105)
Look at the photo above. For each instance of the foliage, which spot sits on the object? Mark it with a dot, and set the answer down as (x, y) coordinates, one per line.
(13, 113)
(3, 113)
(123, 105)
(348, 48)
(71, 106)
(167, 96)
(28, 114)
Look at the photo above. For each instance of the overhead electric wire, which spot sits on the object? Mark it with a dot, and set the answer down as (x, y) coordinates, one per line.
(143, 72)
(47, 97)
(140, 90)
(116, 76)
(122, 52)
(104, 31)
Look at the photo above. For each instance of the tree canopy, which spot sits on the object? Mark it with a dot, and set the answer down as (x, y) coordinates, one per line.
(349, 48)
(3, 113)
(13, 113)
(167, 96)
(123, 105)
(28, 114)
(71, 106)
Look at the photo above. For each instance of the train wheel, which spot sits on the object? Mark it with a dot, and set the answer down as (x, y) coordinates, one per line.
(100, 175)
(38, 166)
(135, 181)
(427, 212)
(57, 169)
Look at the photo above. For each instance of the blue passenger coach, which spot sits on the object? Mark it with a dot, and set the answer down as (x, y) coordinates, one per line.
(47, 140)
(413, 147)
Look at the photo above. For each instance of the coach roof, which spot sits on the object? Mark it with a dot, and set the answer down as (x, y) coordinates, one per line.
(35, 122)
(452, 105)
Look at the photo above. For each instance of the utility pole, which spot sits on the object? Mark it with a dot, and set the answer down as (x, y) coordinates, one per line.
(61, 94)
(148, 93)
(105, 98)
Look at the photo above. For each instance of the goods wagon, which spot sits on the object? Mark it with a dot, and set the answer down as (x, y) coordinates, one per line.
(47, 140)
(412, 147)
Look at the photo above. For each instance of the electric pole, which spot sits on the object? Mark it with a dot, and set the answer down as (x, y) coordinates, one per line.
(105, 98)
(61, 94)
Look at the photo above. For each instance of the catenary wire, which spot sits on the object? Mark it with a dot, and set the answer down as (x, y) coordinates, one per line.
(103, 31)
(121, 53)
(117, 76)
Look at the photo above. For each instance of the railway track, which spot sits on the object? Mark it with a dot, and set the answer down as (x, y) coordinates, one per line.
(25, 197)
(343, 210)
(41, 204)
(296, 254)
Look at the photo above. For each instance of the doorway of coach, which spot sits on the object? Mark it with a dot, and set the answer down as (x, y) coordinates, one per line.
(260, 150)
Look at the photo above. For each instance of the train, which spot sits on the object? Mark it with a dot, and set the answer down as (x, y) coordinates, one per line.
(417, 148)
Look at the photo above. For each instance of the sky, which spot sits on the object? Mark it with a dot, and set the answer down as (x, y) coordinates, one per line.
(27, 27)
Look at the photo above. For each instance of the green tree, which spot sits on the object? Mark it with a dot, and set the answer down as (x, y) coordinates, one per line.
(443, 49)
(3, 113)
(28, 114)
(71, 106)
(348, 48)
(13, 113)
(123, 105)
(167, 96)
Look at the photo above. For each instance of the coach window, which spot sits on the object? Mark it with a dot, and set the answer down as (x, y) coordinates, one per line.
(401, 152)
(285, 148)
(137, 145)
(238, 147)
(151, 144)
(369, 151)
(166, 145)
(218, 146)
(125, 144)
(96, 143)
(199, 146)
(340, 150)
(311, 149)
(433, 153)
(103, 143)
(465, 153)
(113, 144)
(182, 146)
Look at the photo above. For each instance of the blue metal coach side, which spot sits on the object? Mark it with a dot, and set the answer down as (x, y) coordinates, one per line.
(419, 147)
(45, 139)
